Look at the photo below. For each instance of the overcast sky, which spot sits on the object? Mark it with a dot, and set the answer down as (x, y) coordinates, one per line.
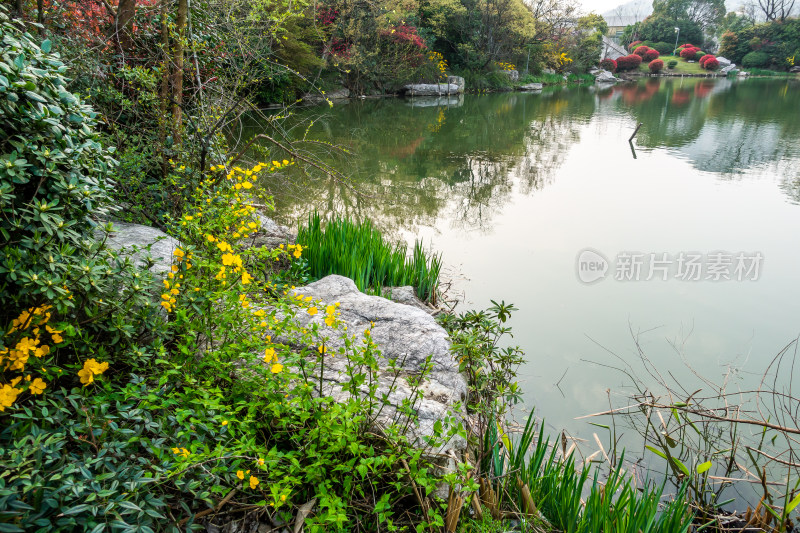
(600, 6)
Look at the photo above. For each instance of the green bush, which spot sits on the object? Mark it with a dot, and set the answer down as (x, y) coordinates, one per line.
(755, 59)
(63, 293)
(672, 63)
(663, 48)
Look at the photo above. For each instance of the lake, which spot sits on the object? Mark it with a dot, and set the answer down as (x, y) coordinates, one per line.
(692, 232)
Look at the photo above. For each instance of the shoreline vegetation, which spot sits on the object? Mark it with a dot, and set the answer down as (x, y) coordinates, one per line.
(181, 393)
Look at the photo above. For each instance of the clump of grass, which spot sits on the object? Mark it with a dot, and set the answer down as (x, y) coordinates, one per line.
(770, 73)
(359, 251)
(531, 475)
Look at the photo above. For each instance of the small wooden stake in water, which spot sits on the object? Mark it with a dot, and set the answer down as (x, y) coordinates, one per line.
(635, 132)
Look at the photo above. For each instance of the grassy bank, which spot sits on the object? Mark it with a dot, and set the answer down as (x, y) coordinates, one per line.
(499, 82)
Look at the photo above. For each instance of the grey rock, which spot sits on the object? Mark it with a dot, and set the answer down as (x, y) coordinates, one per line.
(318, 98)
(531, 87)
(406, 296)
(432, 89)
(513, 75)
(270, 234)
(605, 76)
(457, 80)
(723, 62)
(138, 242)
(729, 69)
(548, 71)
(795, 69)
(404, 334)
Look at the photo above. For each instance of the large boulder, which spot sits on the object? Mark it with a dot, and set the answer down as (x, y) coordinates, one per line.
(144, 244)
(319, 97)
(458, 81)
(432, 89)
(405, 334)
(270, 234)
(513, 75)
(605, 76)
(723, 62)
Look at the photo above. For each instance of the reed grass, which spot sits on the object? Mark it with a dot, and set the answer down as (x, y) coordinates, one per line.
(359, 251)
(534, 477)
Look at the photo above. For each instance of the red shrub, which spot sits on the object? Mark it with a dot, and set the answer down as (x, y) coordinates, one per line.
(711, 63)
(650, 55)
(608, 64)
(688, 45)
(629, 62)
(688, 53)
(634, 44)
(656, 65)
(641, 50)
(705, 58)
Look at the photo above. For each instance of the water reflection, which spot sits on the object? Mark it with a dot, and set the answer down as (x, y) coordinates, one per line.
(462, 158)
(510, 187)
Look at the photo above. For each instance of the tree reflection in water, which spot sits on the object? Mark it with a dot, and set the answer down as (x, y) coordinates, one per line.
(413, 162)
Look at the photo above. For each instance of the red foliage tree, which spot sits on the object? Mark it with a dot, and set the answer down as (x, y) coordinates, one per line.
(656, 65)
(608, 64)
(689, 53)
(650, 55)
(629, 62)
(711, 63)
(641, 50)
(634, 44)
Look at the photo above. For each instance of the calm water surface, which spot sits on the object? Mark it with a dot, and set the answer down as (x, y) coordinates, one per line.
(511, 187)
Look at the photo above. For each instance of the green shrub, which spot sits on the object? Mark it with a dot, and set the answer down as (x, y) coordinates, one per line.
(663, 47)
(63, 294)
(672, 63)
(755, 59)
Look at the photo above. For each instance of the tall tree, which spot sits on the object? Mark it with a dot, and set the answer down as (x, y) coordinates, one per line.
(776, 9)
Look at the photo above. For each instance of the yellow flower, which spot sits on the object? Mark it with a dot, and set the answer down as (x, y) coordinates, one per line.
(330, 320)
(260, 461)
(283, 497)
(269, 355)
(240, 474)
(178, 252)
(86, 377)
(8, 395)
(42, 351)
(91, 368)
(298, 250)
(37, 387)
(276, 368)
(224, 422)
(253, 482)
(313, 311)
(246, 278)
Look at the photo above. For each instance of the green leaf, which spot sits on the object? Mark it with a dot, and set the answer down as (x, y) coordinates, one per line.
(35, 97)
(793, 504)
(703, 467)
(46, 46)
